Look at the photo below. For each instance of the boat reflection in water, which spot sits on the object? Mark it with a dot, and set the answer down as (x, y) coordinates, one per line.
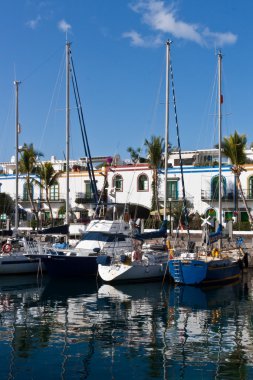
(79, 329)
(204, 297)
(18, 290)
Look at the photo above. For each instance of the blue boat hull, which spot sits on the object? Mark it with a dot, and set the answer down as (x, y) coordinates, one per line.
(66, 266)
(196, 272)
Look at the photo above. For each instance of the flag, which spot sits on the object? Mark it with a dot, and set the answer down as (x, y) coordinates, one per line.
(215, 236)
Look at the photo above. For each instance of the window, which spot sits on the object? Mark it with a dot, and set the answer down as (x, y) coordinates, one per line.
(229, 215)
(244, 216)
(88, 191)
(54, 192)
(215, 187)
(172, 189)
(25, 192)
(142, 183)
(250, 190)
(118, 183)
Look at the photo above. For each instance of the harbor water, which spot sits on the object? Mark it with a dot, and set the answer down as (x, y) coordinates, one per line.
(83, 329)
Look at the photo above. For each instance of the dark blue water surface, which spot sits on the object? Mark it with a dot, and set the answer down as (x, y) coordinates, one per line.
(79, 329)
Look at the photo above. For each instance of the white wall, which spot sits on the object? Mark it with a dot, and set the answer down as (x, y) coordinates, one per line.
(196, 179)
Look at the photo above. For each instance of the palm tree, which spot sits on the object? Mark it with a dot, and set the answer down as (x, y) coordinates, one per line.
(135, 155)
(234, 148)
(28, 166)
(155, 150)
(48, 177)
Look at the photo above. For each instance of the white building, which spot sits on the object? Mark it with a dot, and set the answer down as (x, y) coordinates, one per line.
(131, 184)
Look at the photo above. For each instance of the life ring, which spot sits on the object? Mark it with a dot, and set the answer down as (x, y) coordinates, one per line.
(6, 248)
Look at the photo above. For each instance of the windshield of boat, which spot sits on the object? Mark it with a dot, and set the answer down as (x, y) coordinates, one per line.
(102, 236)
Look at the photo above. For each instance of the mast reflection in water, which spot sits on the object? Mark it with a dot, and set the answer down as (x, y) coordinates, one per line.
(83, 330)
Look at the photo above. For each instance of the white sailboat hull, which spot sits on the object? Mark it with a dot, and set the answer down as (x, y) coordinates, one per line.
(137, 271)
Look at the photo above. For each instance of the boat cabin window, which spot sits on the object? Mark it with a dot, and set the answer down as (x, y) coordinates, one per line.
(102, 236)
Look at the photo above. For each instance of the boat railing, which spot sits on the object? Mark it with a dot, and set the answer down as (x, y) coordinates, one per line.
(34, 247)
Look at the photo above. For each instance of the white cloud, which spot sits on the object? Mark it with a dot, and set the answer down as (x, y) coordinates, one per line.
(64, 26)
(220, 39)
(164, 19)
(137, 40)
(33, 23)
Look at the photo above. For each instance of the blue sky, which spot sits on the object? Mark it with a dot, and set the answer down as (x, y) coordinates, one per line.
(118, 48)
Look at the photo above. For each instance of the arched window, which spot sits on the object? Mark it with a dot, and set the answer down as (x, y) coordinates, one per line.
(117, 182)
(25, 192)
(250, 190)
(54, 192)
(142, 182)
(215, 187)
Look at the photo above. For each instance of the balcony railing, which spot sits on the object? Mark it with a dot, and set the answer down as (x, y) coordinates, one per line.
(42, 199)
(177, 197)
(248, 193)
(207, 195)
(229, 196)
(82, 198)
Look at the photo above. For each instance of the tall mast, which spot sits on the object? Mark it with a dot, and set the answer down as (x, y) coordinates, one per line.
(220, 100)
(67, 129)
(166, 128)
(16, 84)
(220, 134)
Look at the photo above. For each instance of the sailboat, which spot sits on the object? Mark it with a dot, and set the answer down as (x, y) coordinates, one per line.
(210, 266)
(13, 259)
(102, 236)
(141, 264)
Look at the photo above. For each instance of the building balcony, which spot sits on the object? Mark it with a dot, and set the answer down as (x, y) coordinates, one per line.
(229, 196)
(208, 196)
(82, 198)
(248, 193)
(177, 197)
(24, 201)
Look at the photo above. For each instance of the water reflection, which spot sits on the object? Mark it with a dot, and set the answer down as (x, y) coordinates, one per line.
(82, 329)
(208, 332)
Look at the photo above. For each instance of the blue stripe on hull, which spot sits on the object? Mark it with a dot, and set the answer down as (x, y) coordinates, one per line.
(58, 266)
(194, 272)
